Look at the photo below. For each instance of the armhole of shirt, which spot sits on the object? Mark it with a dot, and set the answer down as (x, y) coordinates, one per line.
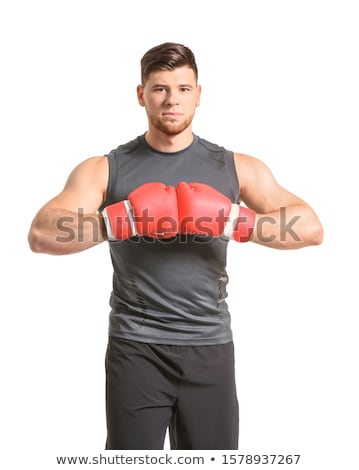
(110, 185)
(233, 177)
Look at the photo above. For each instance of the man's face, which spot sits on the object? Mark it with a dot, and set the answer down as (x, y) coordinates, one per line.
(170, 99)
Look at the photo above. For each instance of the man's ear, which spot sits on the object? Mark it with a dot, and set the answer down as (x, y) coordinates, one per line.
(199, 91)
(140, 95)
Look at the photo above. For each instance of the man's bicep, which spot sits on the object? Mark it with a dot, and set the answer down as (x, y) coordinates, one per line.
(259, 189)
(85, 187)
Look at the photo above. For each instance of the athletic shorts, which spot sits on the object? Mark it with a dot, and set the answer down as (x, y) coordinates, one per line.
(189, 390)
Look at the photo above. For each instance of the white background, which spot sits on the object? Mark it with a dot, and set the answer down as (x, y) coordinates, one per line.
(280, 82)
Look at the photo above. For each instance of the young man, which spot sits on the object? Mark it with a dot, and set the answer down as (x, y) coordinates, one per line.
(168, 203)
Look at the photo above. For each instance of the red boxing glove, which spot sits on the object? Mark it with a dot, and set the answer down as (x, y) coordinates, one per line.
(202, 210)
(150, 210)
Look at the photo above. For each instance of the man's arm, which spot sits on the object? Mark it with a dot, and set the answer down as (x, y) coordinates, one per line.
(284, 221)
(69, 223)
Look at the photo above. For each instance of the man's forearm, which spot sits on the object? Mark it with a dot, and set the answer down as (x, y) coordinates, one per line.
(60, 232)
(288, 228)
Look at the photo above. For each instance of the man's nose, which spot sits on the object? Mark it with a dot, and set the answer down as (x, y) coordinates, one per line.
(172, 97)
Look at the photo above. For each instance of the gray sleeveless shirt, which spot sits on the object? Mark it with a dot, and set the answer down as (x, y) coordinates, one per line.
(170, 291)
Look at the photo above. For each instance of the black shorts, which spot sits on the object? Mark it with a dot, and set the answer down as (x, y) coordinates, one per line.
(189, 389)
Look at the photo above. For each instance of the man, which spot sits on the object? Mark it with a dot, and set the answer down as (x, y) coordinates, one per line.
(168, 203)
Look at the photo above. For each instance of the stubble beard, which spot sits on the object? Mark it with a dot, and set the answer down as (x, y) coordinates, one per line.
(171, 127)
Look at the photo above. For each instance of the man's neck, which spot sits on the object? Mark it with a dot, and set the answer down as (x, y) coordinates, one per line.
(169, 143)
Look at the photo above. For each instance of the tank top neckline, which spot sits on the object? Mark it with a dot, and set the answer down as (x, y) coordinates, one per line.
(158, 153)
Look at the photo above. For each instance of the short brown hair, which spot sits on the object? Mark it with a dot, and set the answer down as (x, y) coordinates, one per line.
(167, 56)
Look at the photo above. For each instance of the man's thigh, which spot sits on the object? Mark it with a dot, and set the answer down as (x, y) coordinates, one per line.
(140, 394)
(207, 414)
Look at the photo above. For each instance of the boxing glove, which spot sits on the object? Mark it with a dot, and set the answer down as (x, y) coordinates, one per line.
(150, 210)
(202, 210)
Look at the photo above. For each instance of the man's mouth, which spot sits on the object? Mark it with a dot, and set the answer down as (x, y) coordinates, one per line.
(172, 114)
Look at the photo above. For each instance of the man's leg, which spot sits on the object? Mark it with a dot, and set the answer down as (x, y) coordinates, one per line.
(139, 394)
(207, 410)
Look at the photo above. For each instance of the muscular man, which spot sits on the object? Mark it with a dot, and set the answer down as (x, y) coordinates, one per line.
(169, 202)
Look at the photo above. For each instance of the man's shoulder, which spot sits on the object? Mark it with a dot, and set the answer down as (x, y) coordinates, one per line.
(127, 148)
(210, 146)
(214, 151)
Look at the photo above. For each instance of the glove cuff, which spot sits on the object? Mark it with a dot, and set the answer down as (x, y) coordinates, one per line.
(240, 223)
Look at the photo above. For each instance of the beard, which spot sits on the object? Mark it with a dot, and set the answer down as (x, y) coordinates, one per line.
(171, 127)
